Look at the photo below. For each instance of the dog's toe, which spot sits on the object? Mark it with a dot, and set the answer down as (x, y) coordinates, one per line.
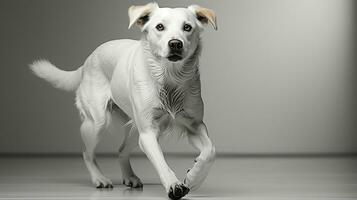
(102, 185)
(133, 182)
(103, 182)
(177, 191)
(139, 185)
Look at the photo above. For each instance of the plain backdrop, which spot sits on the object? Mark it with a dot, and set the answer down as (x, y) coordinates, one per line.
(279, 76)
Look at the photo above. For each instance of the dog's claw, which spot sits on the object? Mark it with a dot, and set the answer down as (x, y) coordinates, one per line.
(177, 191)
(133, 182)
(101, 186)
(139, 185)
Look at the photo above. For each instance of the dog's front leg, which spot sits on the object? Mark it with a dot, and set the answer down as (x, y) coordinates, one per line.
(144, 102)
(198, 138)
(149, 144)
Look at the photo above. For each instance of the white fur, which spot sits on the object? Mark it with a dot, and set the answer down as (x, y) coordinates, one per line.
(66, 80)
(154, 94)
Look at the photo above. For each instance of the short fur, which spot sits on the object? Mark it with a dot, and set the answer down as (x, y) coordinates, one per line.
(141, 83)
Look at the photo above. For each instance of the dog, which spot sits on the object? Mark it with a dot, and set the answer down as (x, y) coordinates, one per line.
(152, 83)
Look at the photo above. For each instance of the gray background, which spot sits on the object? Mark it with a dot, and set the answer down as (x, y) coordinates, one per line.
(279, 76)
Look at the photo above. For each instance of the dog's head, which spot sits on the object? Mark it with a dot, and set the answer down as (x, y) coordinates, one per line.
(173, 33)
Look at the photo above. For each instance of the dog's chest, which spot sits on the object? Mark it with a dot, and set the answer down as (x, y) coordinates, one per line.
(171, 107)
(172, 98)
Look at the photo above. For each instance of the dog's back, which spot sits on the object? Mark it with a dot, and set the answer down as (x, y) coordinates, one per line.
(112, 54)
(104, 59)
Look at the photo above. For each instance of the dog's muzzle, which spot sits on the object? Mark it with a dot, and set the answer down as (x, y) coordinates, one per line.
(176, 47)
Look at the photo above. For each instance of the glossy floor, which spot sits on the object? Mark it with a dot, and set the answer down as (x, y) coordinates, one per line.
(247, 178)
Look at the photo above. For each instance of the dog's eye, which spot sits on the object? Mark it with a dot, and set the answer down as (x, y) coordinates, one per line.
(187, 27)
(160, 27)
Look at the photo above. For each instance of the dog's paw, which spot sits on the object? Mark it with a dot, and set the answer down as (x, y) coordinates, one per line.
(132, 181)
(177, 191)
(102, 182)
(101, 186)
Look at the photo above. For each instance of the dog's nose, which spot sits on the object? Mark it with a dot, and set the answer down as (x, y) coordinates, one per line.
(175, 44)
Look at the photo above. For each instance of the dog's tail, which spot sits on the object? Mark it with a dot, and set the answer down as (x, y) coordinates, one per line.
(66, 80)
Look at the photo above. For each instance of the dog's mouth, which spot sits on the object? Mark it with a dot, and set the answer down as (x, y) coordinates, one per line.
(174, 57)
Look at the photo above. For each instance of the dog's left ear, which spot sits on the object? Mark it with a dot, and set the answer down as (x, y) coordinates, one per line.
(140, 14)
(204, 15)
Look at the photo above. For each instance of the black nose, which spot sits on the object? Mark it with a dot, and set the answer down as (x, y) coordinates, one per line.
(175, 44)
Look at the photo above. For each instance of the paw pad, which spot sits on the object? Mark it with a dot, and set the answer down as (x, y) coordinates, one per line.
(177, 191)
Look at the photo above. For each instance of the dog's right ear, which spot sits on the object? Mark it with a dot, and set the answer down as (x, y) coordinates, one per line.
(140, 14)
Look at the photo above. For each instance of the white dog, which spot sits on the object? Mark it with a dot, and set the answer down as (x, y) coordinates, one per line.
(154, 83)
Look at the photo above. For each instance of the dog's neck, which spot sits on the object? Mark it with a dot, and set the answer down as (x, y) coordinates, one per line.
(176, 74)
(174, 80)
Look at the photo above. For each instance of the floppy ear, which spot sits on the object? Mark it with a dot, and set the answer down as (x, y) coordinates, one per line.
(140, 14)
(204, 15)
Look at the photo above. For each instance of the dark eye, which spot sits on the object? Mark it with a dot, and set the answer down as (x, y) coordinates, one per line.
(187, 27)
(160, 27)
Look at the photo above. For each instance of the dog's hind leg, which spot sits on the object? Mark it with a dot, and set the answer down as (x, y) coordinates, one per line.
(90, 132)
(93, 110)
(130, 143)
